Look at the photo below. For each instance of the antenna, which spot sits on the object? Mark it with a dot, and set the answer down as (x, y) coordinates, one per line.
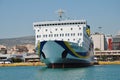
(60, 12)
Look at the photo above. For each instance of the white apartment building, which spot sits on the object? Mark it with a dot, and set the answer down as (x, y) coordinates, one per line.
(99, 41)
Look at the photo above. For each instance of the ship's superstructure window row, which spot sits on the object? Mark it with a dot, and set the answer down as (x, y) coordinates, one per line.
(55, 24)
(56, 29)
(59, 35)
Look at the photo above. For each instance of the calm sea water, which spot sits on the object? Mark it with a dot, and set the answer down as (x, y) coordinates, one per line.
(101, 72)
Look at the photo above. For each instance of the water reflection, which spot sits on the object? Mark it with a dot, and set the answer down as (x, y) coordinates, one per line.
(63, 73)
(102, 72)
(87, 73)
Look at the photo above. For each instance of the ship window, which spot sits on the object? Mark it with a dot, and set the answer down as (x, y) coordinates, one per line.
(65, 34)
(45, 29)
(38, 30)
(76, 23)
(79, 28)
(80, 34)
(73, 39)
(57, 35)
(54, 35)
(49, 35)
(43, 35)
(42, 25)
(37, 36)
(68, 34)
(65, 23)
(56, 29)
(47, 24)
(68, 39)
(71, 28)
(62, 34)
(73, 34)
(61, 29)
(58, 23)
(46, 35)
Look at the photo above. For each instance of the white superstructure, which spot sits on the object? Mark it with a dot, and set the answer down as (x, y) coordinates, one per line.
(69, 30)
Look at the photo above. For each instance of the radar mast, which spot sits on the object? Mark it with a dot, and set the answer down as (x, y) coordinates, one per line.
(60, 13)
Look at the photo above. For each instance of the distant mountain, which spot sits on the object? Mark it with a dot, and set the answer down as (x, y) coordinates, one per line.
(17, 41)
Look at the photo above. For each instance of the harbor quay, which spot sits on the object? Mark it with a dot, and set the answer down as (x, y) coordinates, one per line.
(43, 64)
(103, 57)
(109, 62)
(23, 64)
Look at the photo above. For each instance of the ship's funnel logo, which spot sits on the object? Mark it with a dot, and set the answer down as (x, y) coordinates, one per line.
(88, 30)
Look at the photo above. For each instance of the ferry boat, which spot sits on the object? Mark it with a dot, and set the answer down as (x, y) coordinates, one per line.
(64, 43)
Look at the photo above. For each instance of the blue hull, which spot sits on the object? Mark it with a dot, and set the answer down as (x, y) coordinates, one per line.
(64, 54)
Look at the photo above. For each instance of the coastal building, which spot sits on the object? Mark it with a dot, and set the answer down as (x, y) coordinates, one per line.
(99, 41)
(4, 56)
(116, 42)
(107, 55)
(113, 49)
(109, 42)
(3, 49)
(25, 57)
(19, 49)
(31, 58)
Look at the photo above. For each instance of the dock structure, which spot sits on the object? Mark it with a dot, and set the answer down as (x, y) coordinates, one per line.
(107, 55)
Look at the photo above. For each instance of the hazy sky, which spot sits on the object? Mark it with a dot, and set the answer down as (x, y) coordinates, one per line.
(17, 16)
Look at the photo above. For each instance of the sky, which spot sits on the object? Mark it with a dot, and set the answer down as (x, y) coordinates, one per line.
(17, 16)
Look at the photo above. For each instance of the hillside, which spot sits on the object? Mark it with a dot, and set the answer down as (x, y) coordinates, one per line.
(17, 41)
